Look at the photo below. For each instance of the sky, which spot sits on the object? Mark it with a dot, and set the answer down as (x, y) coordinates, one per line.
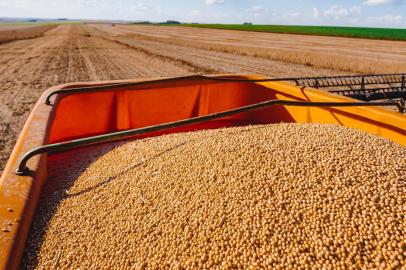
(374, 13)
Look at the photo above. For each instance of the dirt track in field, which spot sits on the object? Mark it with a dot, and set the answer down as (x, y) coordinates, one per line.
(71, 53)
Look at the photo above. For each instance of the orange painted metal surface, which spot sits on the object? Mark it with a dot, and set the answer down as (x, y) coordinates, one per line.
(86, 114)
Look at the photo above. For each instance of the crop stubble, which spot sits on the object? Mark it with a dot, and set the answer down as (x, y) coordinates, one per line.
(341, 54)
(17, 32)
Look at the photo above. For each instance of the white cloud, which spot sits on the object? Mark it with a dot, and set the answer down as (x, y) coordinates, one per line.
(355, 10)
(257, 8)
(316, 13)
(91, 3)
(257, 12)
(387, 20)
(382, 2)
(195, 13)
(292, 15)
(212, 2)
(337, 12)
(139, 7)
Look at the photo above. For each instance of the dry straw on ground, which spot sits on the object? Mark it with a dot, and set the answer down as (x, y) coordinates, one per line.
(8, 34)
(334, 61)
(304, 196)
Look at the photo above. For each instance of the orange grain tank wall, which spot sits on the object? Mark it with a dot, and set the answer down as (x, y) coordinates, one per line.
(89, 114)
(92, 113)
(126, 109)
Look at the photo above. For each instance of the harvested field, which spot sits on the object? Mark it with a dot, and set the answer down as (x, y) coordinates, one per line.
(17, 32)
(283, 196)
(89, 52)
(341, 54)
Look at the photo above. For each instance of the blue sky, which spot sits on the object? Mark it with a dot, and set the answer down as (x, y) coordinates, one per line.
(379, 13)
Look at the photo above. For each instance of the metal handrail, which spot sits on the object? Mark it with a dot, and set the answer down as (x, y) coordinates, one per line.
(60, 147)
(110, 87)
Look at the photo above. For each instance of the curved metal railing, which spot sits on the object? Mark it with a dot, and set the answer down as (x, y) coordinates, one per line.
(64, 146)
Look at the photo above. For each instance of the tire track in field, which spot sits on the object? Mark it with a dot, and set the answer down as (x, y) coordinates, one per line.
(174, 60)
(109, 60)
(28, 68)
(11, 54)
(194, 68)
(210, 61)
(340, 54)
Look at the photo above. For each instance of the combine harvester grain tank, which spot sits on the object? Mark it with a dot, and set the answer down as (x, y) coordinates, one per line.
(81, 114)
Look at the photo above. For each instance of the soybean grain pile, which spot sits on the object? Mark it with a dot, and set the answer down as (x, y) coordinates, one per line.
(270, 196)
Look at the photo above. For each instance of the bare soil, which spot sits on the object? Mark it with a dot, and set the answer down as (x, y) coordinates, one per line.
(72, 53)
